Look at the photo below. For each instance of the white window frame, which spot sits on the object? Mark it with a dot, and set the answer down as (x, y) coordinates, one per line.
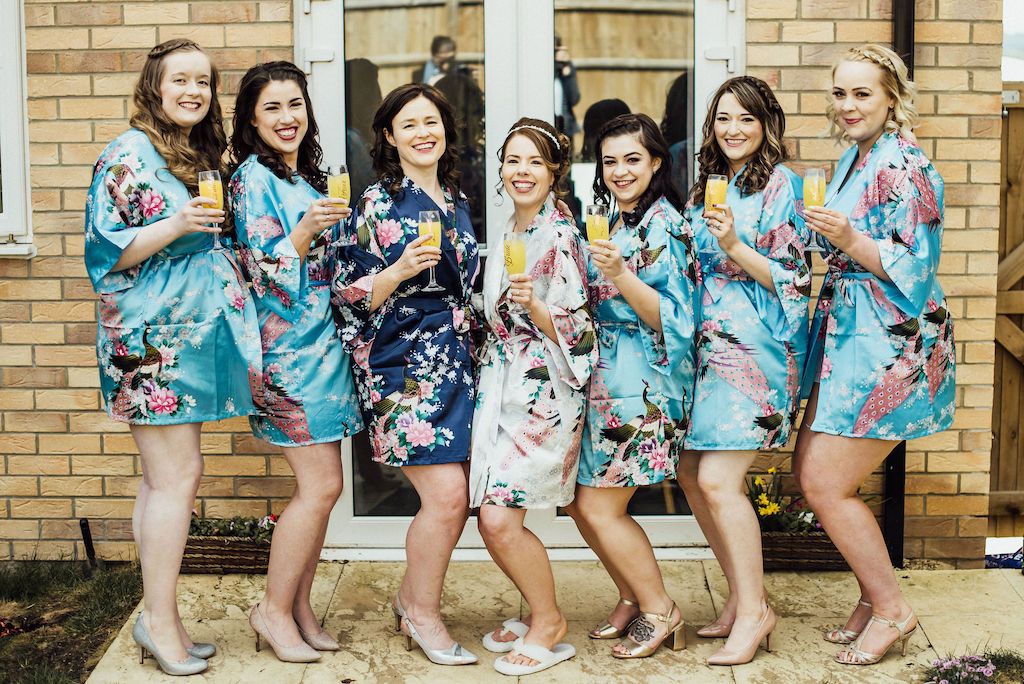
(519, 82)
(16, 216)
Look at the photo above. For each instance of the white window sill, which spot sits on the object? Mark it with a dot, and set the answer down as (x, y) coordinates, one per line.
(17, 250)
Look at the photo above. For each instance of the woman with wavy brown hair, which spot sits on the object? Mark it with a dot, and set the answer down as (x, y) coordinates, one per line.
(410, 339)
(751, 340)
(178, 341)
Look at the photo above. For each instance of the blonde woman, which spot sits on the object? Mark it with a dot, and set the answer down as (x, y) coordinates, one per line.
(881, 364)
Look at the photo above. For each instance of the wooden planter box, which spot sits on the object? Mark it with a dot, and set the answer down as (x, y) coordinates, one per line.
(800, 551)
(223, 555)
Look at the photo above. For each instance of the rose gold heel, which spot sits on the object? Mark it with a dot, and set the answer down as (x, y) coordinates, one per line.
(764, 631)
(841, 635)
(853, 655)
(640, 641)
(609, 631)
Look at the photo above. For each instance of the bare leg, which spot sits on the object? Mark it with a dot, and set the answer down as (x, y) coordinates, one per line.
(298, 536)
(444, 507)
(689, 465)
(721, 478)
(829, 469)
(171, 467)
(624, 546)
(525, 561)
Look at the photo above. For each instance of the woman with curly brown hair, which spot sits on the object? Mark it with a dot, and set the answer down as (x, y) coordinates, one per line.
(409, 338)
(178, 342)
(536, 362)
(751, 340)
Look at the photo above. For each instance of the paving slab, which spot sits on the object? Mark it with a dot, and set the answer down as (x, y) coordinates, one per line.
(959, 592)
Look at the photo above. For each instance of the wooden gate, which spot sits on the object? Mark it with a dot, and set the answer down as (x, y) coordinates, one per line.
(1006, 502)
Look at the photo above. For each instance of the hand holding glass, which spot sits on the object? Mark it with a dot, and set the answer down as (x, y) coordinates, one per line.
(210, 186)
(515, 259)
(430, 224)
(814, 188)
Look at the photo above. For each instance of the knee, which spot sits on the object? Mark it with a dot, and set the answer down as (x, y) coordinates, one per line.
(714, 491)
(589, 514)
(496, 528)
(184, 483)
(686, 474)
(327, 491)
(813, 486)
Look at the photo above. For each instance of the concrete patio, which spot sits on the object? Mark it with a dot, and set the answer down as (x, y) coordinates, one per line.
(959, 610)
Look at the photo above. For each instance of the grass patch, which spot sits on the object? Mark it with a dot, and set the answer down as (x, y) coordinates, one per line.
(69, 620)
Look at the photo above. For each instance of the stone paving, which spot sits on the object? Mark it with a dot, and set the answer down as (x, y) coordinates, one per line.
(959, 610)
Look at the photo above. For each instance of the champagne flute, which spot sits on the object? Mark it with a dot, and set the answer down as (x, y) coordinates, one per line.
(210, 186)
(338, 185)
(714, 191)
(814, 188)
(597, 222)
(515, 259)
(430, 224)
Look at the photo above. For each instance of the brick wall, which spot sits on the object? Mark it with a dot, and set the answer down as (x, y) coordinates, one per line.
(791, 44)
(62, 458)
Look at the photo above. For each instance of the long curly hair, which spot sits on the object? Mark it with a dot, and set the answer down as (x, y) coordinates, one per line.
(555, 149)
(895, 81)
(246, 140)
(186, 155)
(386, 163)
(756, 97)
(647, 134)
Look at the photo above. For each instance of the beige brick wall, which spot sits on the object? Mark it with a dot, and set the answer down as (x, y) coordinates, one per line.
(63, 459)
(792, 44)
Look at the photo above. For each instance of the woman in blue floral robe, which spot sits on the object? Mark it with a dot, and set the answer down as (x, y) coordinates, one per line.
(751, 341)
(177, 341)
(644, 291)
(306, 403)
(411, 346)
(882, 362)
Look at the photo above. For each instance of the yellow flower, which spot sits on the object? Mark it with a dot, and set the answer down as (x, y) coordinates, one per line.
(762, 511)
(773, 508)
(763, 499)
(771, 471)
(758, 481)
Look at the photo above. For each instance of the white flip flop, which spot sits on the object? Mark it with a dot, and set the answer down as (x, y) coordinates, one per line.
(510, 626)
(545, 658)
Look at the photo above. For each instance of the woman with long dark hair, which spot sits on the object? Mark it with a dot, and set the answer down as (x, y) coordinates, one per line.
(410, 340)
(287, 230)
(882, 365)
(643, 287)
(751, 341)
(178, 341)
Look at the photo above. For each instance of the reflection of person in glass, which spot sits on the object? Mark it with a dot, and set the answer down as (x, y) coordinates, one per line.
(466, 98)
(361, 81)
(535, 364)
(751, 341)
(441, 62)
(411, 347)
(596, 116)
(675, 126)
(285, 226)
(643, 287)
(567, 90)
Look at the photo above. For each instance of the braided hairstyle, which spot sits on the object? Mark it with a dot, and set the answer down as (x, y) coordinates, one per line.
(757, 98)
(895, 80)
(186, 154)
(557, 157)
(647, 133)
(246, 140)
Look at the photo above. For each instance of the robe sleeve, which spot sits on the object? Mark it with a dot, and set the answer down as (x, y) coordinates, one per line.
(276, 273)
(358, 262)
(113, 217)
(783, 238)
(678, 295)
(910, 251)
(575, 353)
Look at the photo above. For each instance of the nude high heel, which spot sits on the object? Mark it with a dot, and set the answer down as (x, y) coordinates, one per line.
(746, 654)
(189, 666)
(609, 631)
(643, 627)
(300, 653)
(853, 655)
(841, 635)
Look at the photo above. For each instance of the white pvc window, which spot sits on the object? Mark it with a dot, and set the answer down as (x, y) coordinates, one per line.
(15, 212)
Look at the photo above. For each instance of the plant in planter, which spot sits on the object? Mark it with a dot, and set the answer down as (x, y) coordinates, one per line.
(227, 545)
(791, 536)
